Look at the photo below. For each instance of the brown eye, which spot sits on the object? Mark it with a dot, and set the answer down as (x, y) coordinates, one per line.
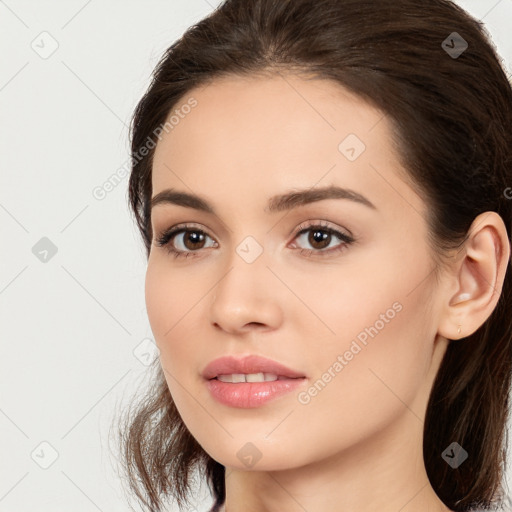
(184, 241)
(319, 239)
(193, 239)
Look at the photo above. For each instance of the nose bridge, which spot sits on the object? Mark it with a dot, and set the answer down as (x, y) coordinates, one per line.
(247, 266)
(244, 293)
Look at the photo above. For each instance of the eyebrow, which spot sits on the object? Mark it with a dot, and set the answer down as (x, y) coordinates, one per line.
(277, 203)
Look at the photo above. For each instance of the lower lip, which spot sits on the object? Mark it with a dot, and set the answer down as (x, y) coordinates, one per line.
(250, 394)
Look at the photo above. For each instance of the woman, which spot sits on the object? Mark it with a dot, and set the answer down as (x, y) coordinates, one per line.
(323, 190)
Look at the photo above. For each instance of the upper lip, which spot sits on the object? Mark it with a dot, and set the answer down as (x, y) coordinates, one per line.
(248, 364)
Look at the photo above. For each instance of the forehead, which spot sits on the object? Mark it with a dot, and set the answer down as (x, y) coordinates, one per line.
(257, 134)
(267, 111)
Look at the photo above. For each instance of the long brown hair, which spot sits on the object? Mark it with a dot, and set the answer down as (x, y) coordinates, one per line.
(451, 112)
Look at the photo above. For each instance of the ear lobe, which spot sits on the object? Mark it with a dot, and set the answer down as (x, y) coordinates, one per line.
(480, 273)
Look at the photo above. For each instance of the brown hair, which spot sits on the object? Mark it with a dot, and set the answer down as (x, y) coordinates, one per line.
(452, 123)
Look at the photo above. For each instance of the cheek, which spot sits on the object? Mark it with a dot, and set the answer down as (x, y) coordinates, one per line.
(371, 370)
(170, 300)
(374, 315)
(170, 297)
(161, 299)
(386, 340)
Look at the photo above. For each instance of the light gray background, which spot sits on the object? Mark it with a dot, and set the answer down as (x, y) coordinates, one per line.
(74, 331)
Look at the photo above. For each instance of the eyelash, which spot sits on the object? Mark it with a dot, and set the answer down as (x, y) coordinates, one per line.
(165, 238)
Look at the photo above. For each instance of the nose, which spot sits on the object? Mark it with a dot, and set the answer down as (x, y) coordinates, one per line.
(247, 297)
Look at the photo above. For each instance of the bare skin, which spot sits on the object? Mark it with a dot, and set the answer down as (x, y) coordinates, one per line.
(356, 445)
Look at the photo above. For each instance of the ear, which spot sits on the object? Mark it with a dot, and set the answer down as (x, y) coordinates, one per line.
(476, 276)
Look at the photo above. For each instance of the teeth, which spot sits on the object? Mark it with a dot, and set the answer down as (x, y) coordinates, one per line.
(250, 377)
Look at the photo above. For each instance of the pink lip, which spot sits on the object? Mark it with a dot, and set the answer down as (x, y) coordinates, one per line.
(248, 364)
(249, 394)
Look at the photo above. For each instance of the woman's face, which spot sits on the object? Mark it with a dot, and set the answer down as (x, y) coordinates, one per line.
(354, 311)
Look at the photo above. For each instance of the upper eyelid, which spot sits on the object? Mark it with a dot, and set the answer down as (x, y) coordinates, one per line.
(180, 228)
(303, 225)
(322, 224)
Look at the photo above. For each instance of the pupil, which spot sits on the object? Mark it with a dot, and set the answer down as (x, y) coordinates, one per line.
(319, 237)
(195, 237)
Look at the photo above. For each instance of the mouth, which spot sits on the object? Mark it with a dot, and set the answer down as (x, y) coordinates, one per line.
(251, 368)
(251, 390)
(236, 378)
